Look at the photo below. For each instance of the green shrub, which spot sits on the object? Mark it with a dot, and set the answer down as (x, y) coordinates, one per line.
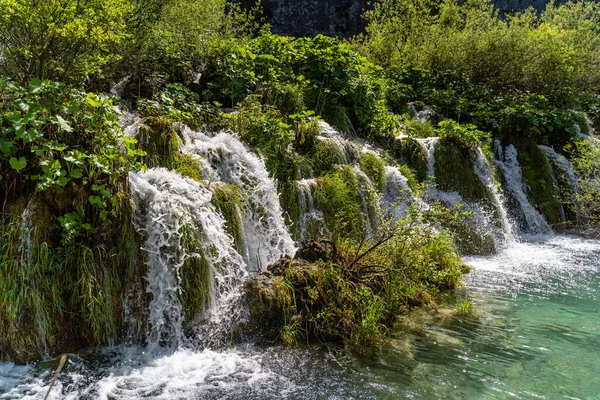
(374, 167)
(64, 190)
(353, 294)
(61, 40)
(338, 197)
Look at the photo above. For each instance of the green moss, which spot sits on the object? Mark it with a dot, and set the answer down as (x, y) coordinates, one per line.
(160, 141)
(541, 188)
(411, 153)
(195, 273)
(229, 200)
(288, 197)
(303, 167)
(374, 168)
(188, 165)
(409, 174)
(338, 197)
(325, 156)
(454, 172)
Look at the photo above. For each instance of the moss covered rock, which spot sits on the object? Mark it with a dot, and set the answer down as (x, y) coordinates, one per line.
(541, 187)
(411, 153)
(454, 172)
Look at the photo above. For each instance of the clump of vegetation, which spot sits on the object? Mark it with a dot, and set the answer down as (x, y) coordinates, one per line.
(465, 307)
(338, 197)
(229, 200)
(585, 160)
(374, 167)
(351, 293)
(63, 191)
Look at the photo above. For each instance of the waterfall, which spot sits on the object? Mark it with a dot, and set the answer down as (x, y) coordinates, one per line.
(168, 207)
(310, 219)
(227, 159)
(484, 172)
(429, 145)
(532, 222)
(423, 116)
(345, 147)
(368, 199)
(397, 195)
(562, 165)
(178, 221)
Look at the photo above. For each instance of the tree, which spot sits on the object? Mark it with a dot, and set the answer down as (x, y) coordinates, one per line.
(64, 40)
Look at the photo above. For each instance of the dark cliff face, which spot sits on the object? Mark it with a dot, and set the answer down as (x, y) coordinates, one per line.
(509, 6)
(342, 18)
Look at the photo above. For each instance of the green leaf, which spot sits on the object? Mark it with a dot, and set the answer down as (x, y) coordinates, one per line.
(76, 174)
(19, 164)
(93, 100)
(6, 146)
(63, 124)
(35, 85)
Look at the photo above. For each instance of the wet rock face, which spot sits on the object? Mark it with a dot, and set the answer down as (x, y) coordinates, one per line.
(507, 6)
(342, 18)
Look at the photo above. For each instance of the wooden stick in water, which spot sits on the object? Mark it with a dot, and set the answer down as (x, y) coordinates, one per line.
(61, 364)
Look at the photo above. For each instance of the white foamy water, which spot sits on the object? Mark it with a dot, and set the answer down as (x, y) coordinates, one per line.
(226, 159)
(166, 205)
(397, 195)
(429, 145)
(129, 373)
(346, 148)
(531, 220)
(310, 219)
(484, 172)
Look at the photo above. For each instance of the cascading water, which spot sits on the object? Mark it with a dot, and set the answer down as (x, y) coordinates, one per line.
(429, 145)
(168, 205)
(368, 200)
(310, 219)
(563, 167)
(483, 220)
(531, 221)
(227, 159)
(484, 172)
(346, 148)
(531, 294)
(397, 195)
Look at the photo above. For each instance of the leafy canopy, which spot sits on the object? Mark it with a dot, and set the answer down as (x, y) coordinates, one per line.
(64, 40)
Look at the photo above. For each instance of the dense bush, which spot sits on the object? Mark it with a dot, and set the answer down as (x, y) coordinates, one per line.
(320, 74)
(63, 190)
(67, 41)
(352, 294)
(555, 54)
